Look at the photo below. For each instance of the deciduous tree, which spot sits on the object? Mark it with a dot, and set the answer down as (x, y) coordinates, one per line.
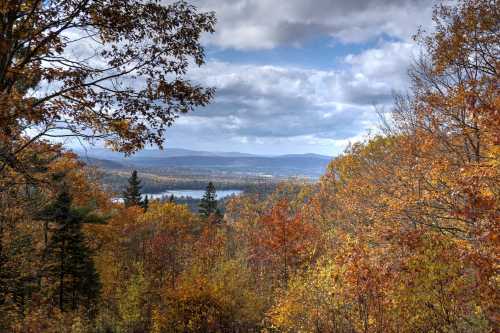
(96, 69)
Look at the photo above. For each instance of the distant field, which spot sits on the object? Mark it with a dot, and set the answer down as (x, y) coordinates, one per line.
(116, 180)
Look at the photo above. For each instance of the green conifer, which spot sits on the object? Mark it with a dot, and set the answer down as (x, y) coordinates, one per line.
(208, 204)
(132, 195)
(145, 203)
(72, 280)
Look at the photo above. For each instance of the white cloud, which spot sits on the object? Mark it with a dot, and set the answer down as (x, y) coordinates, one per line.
(318, 110)
(374, 73)
(265, 24)
(289, 109)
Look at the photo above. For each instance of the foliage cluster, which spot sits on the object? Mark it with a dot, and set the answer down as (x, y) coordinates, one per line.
(400, 235)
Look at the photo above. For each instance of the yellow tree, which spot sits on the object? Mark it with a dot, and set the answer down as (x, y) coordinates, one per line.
(451, 120)
(52, 86)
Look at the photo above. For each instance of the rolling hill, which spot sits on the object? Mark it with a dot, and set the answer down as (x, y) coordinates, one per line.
(186, 161)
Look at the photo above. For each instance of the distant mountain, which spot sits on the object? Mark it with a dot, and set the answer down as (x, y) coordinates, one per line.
(227, 154)
(155, 153)
(176, 152)
(177, 160)
(257, 162)
(102, 163)
(310, 155)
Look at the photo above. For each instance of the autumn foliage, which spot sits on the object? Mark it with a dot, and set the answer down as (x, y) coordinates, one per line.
(401, 234)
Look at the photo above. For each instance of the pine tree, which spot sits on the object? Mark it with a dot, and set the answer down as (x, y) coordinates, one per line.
(132, 195)
(208, 204)
(145, 203)
(69, 270)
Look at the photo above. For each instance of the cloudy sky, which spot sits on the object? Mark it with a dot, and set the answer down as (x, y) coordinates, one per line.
(297, 76)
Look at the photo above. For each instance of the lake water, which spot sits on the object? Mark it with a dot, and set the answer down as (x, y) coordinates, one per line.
(195, 194)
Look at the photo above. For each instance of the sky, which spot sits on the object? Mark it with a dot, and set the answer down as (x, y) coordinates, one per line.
(300, 76)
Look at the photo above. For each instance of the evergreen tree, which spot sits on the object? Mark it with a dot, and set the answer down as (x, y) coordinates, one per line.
(72, 280)
(208, 204)
(132, 195)
(145, 203)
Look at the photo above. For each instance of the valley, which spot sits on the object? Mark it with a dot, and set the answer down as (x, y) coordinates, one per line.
(186, 170)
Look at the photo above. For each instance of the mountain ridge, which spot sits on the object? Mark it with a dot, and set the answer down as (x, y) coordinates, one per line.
(190, 161)
(177, 152)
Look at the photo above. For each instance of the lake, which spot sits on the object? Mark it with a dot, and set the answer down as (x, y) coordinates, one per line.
(195, 194)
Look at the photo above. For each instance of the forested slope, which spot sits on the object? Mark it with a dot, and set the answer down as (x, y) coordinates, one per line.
(401, 234)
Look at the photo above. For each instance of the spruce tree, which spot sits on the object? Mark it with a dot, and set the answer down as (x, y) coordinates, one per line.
(145, 203)
(72, 280)
(208, 204)
(132, 195)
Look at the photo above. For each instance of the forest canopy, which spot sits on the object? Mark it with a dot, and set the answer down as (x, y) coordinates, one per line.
(91, 69)
(401, 234)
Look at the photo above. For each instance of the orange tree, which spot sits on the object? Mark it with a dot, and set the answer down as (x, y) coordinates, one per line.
(107, 69)
(413, 217)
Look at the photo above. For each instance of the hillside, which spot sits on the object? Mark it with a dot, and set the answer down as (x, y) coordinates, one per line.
(195, 162)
